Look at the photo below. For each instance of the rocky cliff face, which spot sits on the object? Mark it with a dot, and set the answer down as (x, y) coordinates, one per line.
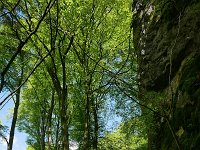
(168, 46)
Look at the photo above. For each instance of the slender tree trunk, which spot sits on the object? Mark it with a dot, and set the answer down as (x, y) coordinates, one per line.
(50, 119)
(16, 107)
(86, 140)
(96, 126)
(38, 139)
(57, 134)
(49, 137)
(64, 121)
(62, 95)
(87, 83)
(64, 107)
(42, 131)
(86, 126)
(14, 120)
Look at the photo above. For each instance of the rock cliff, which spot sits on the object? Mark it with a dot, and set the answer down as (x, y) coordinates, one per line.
(167, 41)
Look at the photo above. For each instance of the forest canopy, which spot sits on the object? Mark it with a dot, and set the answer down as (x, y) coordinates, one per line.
(70, 68)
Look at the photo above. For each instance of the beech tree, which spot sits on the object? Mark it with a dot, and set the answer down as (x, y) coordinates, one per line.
(78, 59)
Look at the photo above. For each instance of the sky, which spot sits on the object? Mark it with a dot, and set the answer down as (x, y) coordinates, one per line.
(19, 142)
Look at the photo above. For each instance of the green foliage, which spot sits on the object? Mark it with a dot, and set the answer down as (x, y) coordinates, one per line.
(30, 148)
(122, 139)
(155, 100)
(99, 59)
(3, 132)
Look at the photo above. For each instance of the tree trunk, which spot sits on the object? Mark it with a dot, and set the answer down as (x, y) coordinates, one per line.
(64, 121)
(65, 135)
(17, 102)
(62, 95)
(42, 131)
(14, 120)
(86, 126)
(57, 134)
(86, 140)
(96, 126)
(50, 119)
(64, 107)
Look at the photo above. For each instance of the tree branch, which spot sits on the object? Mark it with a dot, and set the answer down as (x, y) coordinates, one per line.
(26, 78)
(11, 9)
(22, 43)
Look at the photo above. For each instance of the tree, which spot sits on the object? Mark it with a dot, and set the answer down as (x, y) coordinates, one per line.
(79, 60)
(121, 139)
(3, 130)
(17, 100)
(39, 108)
(23, 30)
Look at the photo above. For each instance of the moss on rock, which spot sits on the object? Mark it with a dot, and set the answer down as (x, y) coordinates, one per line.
(171, 66)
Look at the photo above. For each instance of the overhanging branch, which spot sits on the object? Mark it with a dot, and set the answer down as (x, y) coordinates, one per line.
(22, 43)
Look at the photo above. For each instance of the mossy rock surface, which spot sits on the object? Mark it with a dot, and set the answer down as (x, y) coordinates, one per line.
(164, 43)
(173, 49)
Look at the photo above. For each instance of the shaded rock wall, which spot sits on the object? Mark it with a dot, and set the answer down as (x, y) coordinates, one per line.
(169, 63)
